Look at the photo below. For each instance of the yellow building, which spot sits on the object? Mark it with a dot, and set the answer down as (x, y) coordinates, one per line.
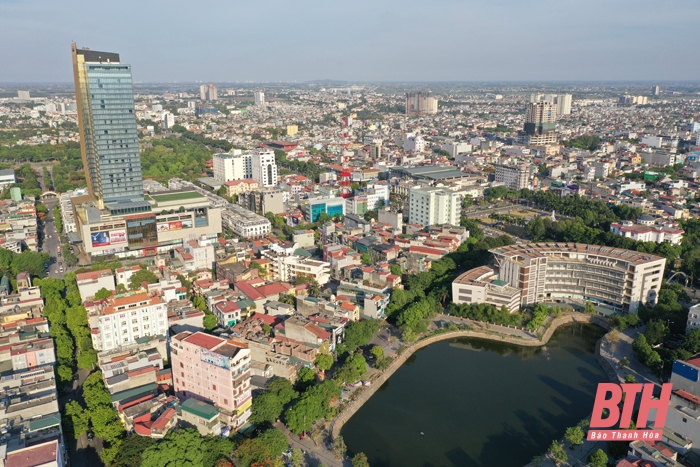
(292, 130)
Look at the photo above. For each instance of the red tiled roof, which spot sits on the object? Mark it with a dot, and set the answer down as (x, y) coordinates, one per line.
(34, 456)
(164, 419)
(204, 340)
(93, 275)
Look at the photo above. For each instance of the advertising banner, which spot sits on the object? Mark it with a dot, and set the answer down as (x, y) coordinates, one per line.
(163, 227)
(187, 224)
(117, 236)
(177, 225)
(100, 238)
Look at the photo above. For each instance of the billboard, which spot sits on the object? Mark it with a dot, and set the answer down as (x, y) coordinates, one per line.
(175, 225)
(117, 236)
(100, 238)
(213, 358)
(163, 227)
(187, 224)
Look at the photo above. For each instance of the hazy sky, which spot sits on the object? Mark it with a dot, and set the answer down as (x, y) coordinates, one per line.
(400, 40)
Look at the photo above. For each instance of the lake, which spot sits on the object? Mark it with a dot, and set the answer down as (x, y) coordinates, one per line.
(478, 402)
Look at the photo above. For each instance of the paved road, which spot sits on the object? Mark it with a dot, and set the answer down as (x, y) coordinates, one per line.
(84, 452)
(314, 455)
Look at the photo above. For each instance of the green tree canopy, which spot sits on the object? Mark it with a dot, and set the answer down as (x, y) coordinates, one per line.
(102, 293)
(143, 275)
(186, 448)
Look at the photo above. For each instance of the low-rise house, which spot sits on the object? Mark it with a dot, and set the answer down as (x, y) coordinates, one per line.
(89, 283)
(200, 415)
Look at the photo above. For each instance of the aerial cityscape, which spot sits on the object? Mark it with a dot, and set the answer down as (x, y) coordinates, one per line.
(348, 248)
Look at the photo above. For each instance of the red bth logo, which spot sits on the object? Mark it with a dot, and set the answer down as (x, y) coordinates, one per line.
(609, 396)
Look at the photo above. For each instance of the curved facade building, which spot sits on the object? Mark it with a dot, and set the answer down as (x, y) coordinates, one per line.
(620, 279)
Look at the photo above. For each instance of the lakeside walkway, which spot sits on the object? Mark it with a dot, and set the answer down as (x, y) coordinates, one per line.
(388, 338)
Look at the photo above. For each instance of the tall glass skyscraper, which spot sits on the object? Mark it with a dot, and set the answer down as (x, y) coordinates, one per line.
(108, 137)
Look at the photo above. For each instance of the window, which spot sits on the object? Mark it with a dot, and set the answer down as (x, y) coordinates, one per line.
(685, 420)
(213, 387)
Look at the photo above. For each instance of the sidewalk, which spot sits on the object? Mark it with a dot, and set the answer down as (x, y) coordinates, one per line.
(314, 456)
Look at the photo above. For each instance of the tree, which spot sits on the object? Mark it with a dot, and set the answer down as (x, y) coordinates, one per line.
(624, 362)
(314, 289)
(590, 308)
(691, 341)
(143, 275)
(283, 389)
(186, 448)
(209, 322)
(377, 352)
(656, 333)
(360, 460)
(395, 270)
(30, 262)
(366, 259)
(131, 450)
(305, 378)
(630, 379)
(598, 459)
(297, 458)
(574, 435)
(267, 408)
(80, 419)
(121, 288)
(266, 447)
(324, 362)
(323, 218)
(339, 447)
(557, 453)
(102, 293)
(200, 303)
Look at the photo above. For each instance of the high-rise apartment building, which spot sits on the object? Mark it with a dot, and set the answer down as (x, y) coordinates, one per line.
(512, 176)
(265, 168)
(540, 121)
(433, 206)
(655, 90)
(233, 166)
(108, 137)
(420, 103)
(208, 92)
(23, 95)
(259, 98)
(563, 102)
(213, 370)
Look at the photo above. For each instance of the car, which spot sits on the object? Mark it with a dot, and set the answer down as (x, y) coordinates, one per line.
(90, 435)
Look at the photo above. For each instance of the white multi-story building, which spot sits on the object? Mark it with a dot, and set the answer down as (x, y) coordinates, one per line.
(642, 232)
(259, 98)
(245, 223)
(235, 165)
(168, 120)
(563, 104)
(121, 320)
(601, 170)
(433, 206)
(620, 279)
(264, 168)
(202, 252)
(413, 143)
(512, 176)
(285, 266)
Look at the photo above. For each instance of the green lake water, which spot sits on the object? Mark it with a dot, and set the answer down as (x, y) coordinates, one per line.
(479, 403)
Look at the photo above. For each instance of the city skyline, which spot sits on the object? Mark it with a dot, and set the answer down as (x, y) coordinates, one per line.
(461, 42)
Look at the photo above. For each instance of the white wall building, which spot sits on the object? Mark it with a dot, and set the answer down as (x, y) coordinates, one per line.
(264, 169)
(90, 282)
(433, 206)
(233, 166)
(120, 321)
(202, 251)
(259, 98)
(648, 233)
(413, 143)
(513, 177)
